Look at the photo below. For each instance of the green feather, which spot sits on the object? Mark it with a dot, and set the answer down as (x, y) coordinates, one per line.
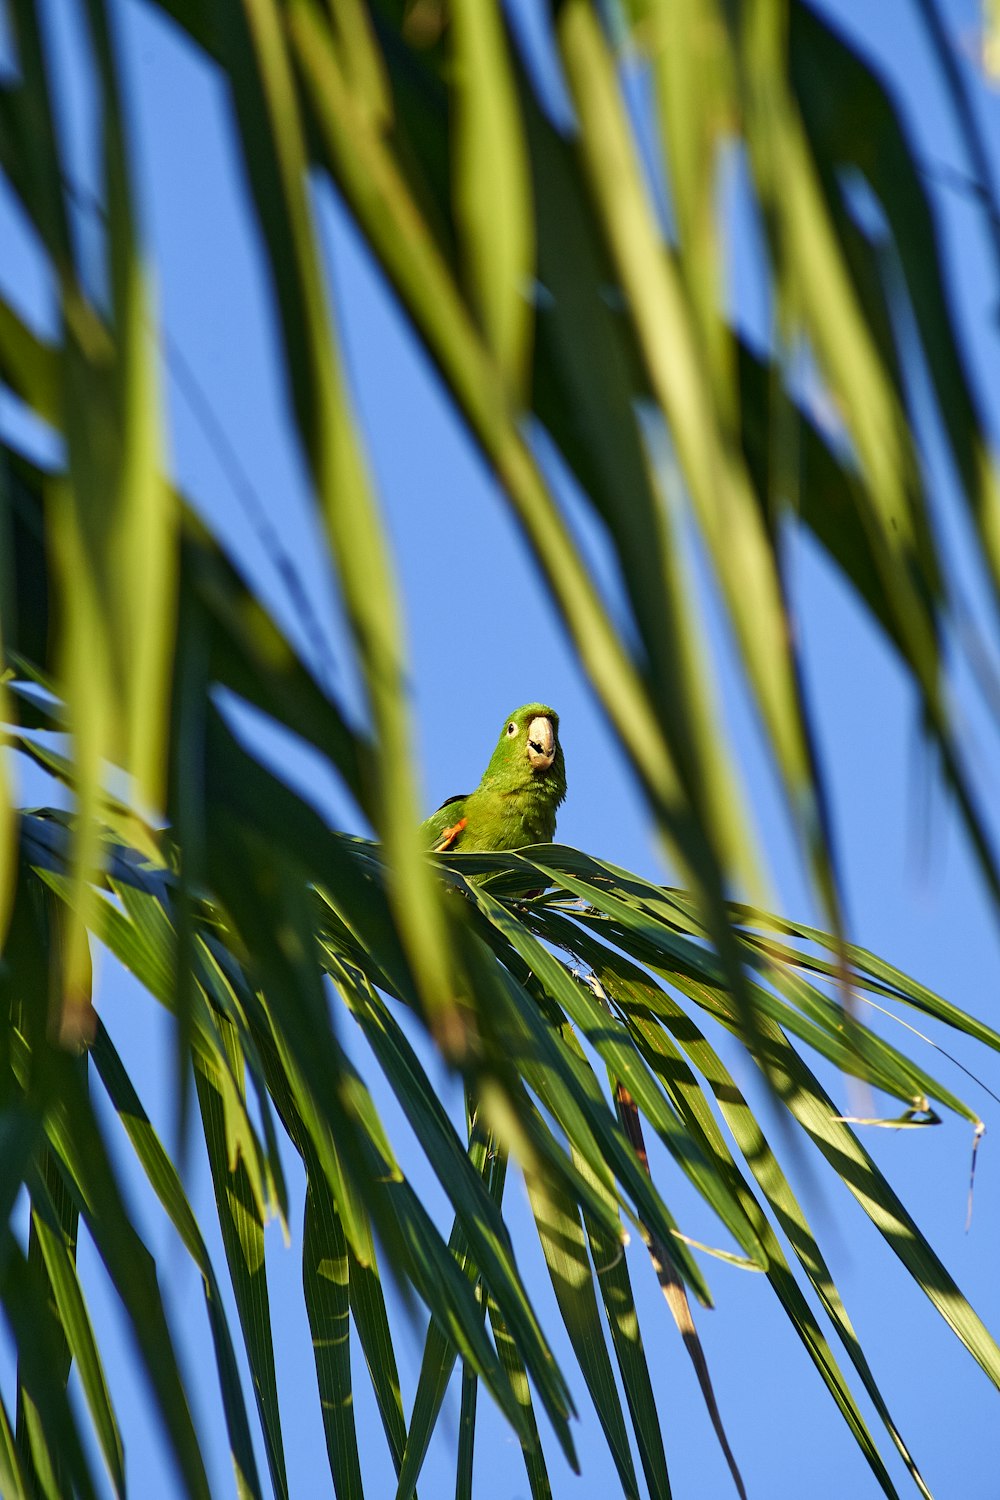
(515, 803)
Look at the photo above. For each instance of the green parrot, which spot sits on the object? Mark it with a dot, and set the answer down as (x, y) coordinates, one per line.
(516, 801)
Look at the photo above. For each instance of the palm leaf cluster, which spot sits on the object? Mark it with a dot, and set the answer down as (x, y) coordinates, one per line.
(560, 254)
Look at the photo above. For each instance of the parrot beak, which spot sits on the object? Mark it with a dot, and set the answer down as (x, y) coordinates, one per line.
(541, 744)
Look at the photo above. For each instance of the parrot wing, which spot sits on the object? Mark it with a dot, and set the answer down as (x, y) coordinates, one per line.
(443, 828)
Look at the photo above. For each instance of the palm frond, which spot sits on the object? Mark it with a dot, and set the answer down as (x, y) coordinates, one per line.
(557, 247)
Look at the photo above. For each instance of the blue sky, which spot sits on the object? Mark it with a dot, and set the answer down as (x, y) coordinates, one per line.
(482, 639)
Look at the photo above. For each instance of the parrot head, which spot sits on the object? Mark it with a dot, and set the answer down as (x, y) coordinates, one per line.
(528, 749)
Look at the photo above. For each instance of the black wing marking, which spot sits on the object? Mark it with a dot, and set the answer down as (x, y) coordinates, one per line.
(460, 797)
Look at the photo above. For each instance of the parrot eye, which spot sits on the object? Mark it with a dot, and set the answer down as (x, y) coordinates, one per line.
(512, 727)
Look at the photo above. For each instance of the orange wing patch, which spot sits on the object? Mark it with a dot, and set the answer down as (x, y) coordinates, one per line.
(449, 836)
